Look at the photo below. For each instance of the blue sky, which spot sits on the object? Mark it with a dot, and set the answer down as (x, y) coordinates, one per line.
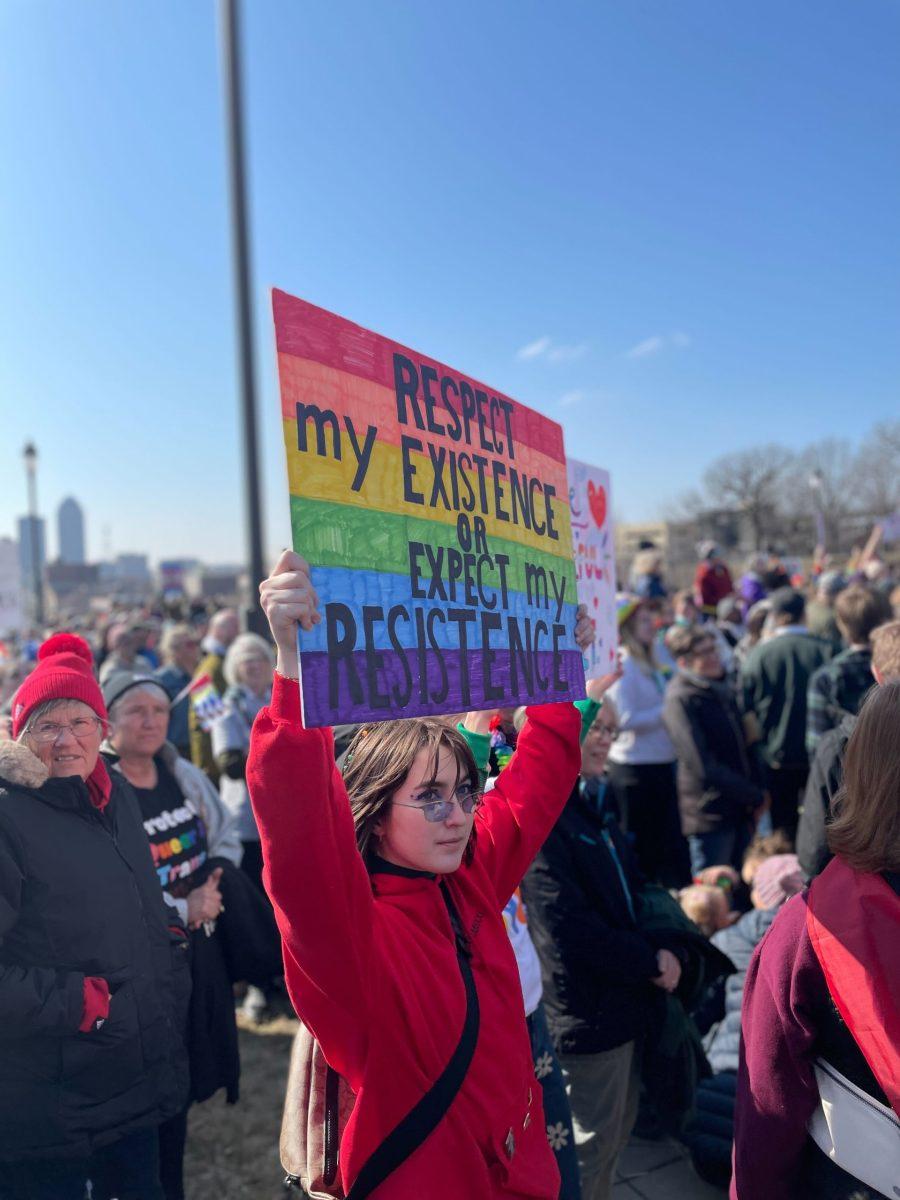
(674, 227)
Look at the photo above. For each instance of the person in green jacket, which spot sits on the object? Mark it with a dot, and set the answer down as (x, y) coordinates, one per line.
(774, 684)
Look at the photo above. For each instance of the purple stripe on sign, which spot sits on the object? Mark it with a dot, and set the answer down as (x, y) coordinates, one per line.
(366, 687)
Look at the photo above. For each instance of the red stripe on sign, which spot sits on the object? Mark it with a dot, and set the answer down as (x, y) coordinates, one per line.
(304, 330)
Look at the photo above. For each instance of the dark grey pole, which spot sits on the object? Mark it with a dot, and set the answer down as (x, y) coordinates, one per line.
(231, 72)
(37, 579)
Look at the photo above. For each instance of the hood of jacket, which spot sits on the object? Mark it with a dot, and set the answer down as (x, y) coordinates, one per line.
(686, 682)
(21, 766)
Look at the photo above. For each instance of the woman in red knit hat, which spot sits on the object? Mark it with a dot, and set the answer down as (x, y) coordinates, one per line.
(93, 978)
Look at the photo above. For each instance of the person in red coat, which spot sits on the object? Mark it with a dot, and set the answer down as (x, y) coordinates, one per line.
(712, 580)
(354, 867)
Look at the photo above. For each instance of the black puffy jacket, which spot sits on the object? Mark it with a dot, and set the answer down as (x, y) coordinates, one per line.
(79, 896)
(826, 774)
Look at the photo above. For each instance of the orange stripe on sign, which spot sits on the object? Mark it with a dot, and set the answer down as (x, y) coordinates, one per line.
(366, 403)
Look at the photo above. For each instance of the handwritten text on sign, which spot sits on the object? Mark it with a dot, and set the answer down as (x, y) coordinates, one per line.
(434, 514)
(595, 562)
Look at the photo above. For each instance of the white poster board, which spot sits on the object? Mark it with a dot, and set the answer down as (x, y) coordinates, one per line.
(590, 501)
(12, 616)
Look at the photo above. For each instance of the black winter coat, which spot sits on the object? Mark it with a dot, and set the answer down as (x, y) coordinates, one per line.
(825, 778)
(719, 777)
(79, 896)
(596, 965)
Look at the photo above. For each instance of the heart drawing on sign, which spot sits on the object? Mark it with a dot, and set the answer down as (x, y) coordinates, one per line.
(597, 501)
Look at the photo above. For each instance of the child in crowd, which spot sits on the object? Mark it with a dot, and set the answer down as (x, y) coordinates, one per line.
(707, 906)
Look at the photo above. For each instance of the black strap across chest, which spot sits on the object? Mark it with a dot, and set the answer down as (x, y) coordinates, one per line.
(426, 1115)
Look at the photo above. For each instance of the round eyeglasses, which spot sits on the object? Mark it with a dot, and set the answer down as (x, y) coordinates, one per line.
(48, 732)
(609, 732)
(468, 799)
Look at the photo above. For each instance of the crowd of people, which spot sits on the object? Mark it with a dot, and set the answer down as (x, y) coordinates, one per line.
(512, 939)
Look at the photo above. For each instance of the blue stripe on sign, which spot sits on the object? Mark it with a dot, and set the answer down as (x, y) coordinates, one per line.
(357, 589)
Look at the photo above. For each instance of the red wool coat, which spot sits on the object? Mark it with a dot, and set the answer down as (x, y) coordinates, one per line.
(370, 962)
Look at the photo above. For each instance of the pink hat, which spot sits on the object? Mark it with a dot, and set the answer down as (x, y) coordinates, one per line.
(777, 879)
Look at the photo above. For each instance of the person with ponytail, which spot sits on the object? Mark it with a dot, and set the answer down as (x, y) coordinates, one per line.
(94, 978)
(818, 1094)
(388, 884)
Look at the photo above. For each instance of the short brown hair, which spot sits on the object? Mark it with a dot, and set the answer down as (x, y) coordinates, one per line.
(682, 640)
(866, 828)
(379, 759)
(860, 609)
(886, 649)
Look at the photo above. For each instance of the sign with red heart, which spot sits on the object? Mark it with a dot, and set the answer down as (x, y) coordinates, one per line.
(595, 567)
(597, 502)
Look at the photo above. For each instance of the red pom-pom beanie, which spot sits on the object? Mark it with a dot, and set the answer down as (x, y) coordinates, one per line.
(65, 671)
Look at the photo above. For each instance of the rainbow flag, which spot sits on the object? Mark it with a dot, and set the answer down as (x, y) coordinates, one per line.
(434, 513)
(205, 701)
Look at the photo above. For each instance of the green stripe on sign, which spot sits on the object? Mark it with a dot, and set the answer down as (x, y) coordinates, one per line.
(342, 535)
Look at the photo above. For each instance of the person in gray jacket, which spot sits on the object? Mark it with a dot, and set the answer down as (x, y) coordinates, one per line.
(248, 669)
(192, 841)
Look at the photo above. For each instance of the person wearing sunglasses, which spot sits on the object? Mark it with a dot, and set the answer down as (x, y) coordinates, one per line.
(381, 879)
(94, 973)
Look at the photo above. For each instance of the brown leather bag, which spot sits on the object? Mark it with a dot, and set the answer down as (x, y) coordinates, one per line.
(317, 1107)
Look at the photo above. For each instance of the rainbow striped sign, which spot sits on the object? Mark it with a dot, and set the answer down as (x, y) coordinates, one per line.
(434, 513)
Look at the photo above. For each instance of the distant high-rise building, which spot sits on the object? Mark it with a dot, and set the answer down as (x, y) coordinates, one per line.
(27, 525)
(70, 521)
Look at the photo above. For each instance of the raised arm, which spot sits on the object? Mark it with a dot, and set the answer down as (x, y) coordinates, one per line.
(532, 791)
(312, 869)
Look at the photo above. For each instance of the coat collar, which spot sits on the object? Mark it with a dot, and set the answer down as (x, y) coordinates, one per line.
(22, 769)
(21, 766)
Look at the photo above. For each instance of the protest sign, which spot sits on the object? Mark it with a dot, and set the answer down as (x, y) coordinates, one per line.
(12, 616)
(433, 512)
(595, 561)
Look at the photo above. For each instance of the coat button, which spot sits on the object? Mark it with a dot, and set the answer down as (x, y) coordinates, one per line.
(510, 1144)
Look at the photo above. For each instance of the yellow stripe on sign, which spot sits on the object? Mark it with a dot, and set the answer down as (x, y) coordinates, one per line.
(326, 478)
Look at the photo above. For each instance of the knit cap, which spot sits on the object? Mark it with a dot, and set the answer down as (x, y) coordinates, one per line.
(777, 879)
(64, 671)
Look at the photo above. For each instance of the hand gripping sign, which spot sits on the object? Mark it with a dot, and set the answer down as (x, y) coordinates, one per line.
(434, 514)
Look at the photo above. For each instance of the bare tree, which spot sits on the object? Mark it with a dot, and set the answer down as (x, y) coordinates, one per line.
(687, 506)
(878, 469)
(824, 483)
(750, 480)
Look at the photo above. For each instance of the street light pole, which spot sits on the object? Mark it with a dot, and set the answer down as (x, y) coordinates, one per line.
(231, 71)
(29, 454)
